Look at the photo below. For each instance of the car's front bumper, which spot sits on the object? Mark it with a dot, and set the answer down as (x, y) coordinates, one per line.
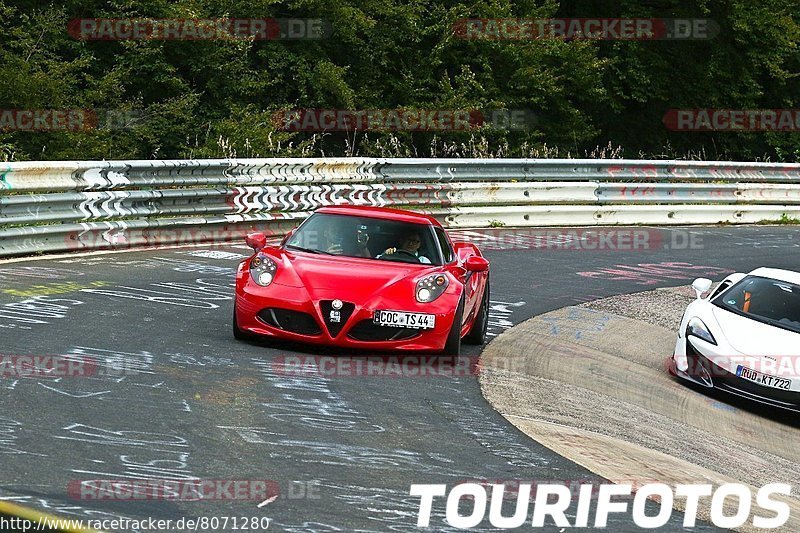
(253, 315)
(704, 372)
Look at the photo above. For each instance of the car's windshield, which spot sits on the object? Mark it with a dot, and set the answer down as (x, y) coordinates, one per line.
(370, 238)
(766, 300)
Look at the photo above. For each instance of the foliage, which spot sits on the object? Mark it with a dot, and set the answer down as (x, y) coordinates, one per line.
(218, 98)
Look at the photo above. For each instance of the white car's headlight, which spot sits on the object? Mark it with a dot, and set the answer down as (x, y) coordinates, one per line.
(431, 287)
(697, 328)
(262, 269)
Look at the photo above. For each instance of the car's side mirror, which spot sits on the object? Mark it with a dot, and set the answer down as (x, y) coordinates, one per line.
(256, 241)
(464, 250)
(476, 263)
(701, 285)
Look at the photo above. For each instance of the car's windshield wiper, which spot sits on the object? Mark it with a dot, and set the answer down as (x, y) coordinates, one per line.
(309, 250)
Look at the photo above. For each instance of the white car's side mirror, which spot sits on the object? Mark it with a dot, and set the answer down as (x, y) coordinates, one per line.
(701, 285)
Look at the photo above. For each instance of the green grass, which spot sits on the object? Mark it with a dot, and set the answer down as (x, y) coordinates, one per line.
(784, 220)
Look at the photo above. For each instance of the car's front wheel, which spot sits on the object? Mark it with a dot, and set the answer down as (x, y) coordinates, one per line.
(453, 344)
(238, 334)
(477, 334)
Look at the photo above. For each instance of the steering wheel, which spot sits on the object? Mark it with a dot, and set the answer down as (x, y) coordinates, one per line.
(398, 252)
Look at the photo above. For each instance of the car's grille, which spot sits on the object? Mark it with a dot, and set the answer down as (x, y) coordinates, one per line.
(691, 351)
(699, 367)
(288, 320)
(367, 330)
(335, 319)
(728, 381)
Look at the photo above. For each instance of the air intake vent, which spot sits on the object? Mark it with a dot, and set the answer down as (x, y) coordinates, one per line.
(288, 320)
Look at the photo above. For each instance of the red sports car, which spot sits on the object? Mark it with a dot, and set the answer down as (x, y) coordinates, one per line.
(365, 277)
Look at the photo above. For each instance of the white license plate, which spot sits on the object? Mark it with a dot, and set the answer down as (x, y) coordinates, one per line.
(763, 379)
(404, 320)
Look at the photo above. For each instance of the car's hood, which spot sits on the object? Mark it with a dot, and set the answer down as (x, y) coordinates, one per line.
(751, 337)
(342, 277)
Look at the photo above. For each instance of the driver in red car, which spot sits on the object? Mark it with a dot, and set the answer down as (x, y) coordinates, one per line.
(410, 244)
(340, 242)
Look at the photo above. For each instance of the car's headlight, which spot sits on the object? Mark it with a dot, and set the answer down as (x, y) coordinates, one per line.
(262, 269)
(431, 287)
(697, 328)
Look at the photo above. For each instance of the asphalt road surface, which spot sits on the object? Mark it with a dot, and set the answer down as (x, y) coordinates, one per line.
(174, 396)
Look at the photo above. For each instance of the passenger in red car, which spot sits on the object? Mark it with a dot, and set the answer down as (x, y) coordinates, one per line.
(339, 241)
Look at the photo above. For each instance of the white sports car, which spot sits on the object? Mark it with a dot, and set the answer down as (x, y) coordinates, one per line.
(744, 338)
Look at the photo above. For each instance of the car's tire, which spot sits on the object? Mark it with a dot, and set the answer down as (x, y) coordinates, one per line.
(453, 344)
(238, 334)
(477, 334)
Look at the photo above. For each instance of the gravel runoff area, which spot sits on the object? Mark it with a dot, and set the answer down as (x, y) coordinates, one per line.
(589, 382)
(659, 307)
